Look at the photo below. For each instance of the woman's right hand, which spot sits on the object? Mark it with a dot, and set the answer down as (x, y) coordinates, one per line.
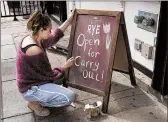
(69, 63)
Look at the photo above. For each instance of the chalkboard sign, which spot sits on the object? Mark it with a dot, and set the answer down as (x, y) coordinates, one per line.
(97, 42)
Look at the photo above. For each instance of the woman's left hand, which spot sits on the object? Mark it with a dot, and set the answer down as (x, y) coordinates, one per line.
(70, 19)
(64, 26)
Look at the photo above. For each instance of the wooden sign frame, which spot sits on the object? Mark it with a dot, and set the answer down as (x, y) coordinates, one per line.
(119, 27)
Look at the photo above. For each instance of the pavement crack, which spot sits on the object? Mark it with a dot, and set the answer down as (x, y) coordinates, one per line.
(16, 115)
(8, 80)
(7, 59)
(127, 97)
(113, 93)
(153, 105)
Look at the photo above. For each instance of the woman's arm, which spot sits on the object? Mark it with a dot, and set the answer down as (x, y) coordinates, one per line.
(58, 33)
(64, 26)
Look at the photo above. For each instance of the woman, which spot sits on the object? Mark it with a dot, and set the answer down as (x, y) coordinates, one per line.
(37, 82)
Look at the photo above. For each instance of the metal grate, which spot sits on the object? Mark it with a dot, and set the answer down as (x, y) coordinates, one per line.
(18, 8)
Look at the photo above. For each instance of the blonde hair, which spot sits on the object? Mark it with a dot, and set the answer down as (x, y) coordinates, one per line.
(36, 21)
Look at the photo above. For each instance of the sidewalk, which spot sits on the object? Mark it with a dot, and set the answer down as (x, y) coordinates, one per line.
(127, 104)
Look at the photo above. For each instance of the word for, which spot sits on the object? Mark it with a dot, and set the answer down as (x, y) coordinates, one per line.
(92, 53)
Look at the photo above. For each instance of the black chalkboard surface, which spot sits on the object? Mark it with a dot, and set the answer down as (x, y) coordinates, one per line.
(96, 37)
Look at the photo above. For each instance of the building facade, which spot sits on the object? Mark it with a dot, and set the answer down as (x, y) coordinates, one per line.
(136, 35)
(146, 31)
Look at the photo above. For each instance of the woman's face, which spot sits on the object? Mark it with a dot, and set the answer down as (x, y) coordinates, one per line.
(44, 34)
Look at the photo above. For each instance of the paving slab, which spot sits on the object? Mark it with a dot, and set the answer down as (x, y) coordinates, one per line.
(117, 87)
(62, 58)
(21, 118)
(16, 29)
(126, 93)
(142, 80)
(68, 30)
(17, 37)
(10, 19)
(144, 114)
(53, 59)
(63, 42)
(8, 69)
(124, 100)
(82, 95)
(12, 25)
(128, 103)
(17, 40)
(75, 116)
(6, 39)
(78, 116)
(121, 79)
(116, 96)
(8, 51)
(54, 24)
(119, 82)
(14, 35)
(13, 103)
(64, 110)
(113, 119)
(142, 77)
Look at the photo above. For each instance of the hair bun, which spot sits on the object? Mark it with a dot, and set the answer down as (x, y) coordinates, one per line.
(38, 20)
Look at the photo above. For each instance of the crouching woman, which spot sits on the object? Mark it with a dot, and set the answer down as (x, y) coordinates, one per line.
(38, 83)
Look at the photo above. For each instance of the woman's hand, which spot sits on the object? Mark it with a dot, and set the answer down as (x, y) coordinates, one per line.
(69, 63)
(70, 19)
(64, 26)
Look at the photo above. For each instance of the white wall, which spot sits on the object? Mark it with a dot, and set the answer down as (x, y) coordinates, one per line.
(130, 10)
(71, 5)
(113, 6)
